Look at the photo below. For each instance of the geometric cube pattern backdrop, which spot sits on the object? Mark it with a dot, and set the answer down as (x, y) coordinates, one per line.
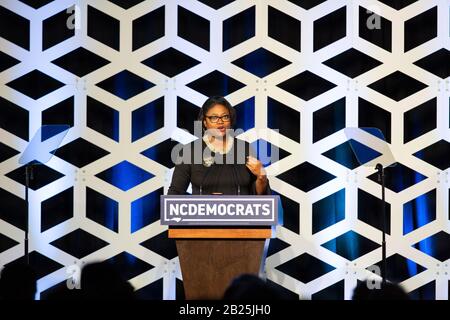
(129, 76)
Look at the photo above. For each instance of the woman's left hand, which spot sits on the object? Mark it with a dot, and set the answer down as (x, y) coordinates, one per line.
(255, 166)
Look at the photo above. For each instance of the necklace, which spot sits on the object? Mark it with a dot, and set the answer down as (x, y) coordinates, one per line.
(221, 150)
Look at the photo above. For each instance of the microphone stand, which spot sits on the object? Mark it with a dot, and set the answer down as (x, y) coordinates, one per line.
(236, 179)
(381, 176)
(28, 178)
(208, 170)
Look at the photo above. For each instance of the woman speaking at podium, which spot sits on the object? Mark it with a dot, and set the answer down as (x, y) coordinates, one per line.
(218, 163)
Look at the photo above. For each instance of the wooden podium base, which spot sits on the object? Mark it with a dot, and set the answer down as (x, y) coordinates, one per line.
(211, 258)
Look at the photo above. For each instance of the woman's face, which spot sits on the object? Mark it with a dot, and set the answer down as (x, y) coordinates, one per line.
(217, 120)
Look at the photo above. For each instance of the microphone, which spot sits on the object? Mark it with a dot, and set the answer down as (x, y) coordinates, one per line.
(207, 162)
(235, 174)
(236, 179)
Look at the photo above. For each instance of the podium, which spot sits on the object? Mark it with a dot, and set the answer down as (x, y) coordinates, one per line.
(213, 251)
(211, 258)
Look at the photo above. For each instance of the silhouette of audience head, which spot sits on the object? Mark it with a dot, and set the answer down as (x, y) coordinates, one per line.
(102, 281)
(387, 291)
(18, 282)
(251, 287)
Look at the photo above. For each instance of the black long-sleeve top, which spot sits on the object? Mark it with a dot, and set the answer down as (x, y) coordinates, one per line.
(222, 176)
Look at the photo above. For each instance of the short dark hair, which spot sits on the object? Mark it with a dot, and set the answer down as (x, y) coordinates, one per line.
(211, 102)
(18, 282)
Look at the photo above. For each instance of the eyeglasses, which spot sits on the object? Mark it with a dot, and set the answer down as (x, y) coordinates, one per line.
(215, 119)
